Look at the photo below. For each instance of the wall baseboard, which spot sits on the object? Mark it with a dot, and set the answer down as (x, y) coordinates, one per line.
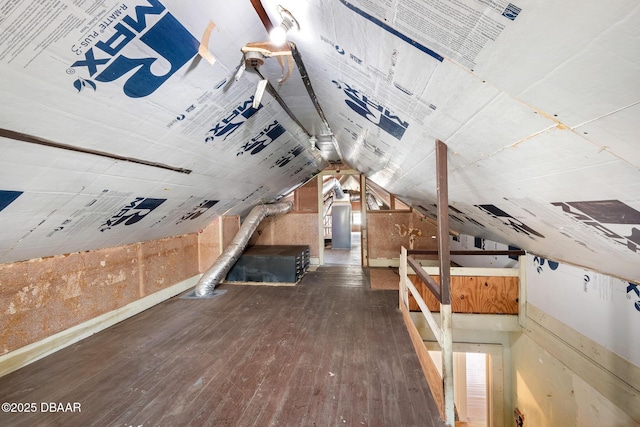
(384, 262)
(21, 357)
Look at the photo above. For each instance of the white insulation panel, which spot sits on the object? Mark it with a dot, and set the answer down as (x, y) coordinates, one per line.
(117, 130)
(535, 101)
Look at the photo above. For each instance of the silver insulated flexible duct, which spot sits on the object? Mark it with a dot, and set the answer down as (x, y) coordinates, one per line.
(333, 184)
(218, 271)
(372, 203)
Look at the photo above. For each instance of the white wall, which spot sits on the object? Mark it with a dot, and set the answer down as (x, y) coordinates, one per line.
(577, 362)
(549, 394)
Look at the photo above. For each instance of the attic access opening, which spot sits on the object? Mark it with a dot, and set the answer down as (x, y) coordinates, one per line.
(478, 383)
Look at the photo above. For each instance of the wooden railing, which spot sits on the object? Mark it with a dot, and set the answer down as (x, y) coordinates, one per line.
(442, 297)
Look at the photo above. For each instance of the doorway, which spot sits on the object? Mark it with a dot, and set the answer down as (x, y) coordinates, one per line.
(340, 216)
(478, 383)
(344, 256)
(470, 379)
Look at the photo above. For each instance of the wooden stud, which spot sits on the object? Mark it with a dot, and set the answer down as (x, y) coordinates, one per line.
(443, 220)
(467, 252)
(320, 219)
(364, 227)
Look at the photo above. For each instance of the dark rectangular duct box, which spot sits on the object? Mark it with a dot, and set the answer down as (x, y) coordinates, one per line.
(275, 263)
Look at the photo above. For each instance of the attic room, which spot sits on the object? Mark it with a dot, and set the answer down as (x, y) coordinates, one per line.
(320, 212)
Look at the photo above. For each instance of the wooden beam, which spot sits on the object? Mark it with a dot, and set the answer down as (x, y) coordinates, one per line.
(426, 278)
(31, 139)
(257, 5)
(445, 280)
(443, 221)
(334, 172)
(475, 271)
(364, 226)
(468, 252)
(403, 298)
(320, 179)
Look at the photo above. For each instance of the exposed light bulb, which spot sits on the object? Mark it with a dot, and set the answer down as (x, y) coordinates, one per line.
(278, 35)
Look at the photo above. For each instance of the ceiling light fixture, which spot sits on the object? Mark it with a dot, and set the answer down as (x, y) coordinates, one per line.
(278, 35)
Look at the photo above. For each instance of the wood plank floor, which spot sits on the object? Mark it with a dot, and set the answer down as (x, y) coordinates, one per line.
(327, 352)
(345, 256)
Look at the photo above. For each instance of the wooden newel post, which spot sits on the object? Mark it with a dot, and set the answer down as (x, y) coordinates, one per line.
(444, 259)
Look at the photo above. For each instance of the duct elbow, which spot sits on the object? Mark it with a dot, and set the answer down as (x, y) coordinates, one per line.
(217, 272)
(203, 288)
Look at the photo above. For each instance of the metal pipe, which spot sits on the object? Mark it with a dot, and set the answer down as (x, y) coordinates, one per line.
(218, 271)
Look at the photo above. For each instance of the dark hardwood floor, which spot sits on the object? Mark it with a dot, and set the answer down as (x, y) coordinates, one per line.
(345, 256)
(327, 352)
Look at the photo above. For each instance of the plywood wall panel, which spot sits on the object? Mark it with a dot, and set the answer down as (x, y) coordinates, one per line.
(483, 295)
(41, 297)
(230, 227)
(44, 296)
(389, 230)
(290, 229)
(214, 238)
(209, 245)
(165, 262)
(426, 295)
(306, 197)
(112, 276)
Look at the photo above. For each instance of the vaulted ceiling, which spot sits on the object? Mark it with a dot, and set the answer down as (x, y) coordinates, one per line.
(128, 121)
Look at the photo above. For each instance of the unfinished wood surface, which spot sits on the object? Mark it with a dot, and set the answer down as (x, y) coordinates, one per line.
(42, 297)
(482, 295)
(329, 351)
(384, 278)
(294, 228)
(429, 369)
(306, 197)
(389, 230)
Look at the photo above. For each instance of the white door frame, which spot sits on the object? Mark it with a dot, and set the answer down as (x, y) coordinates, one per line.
(495, 376)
